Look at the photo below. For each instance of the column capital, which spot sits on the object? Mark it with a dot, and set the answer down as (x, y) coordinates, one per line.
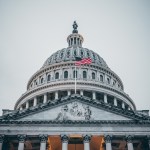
(107, 138)
(129, 138)
(86, 138)
(2, 138)
(64, 138)
(43, 138)
(21, 137)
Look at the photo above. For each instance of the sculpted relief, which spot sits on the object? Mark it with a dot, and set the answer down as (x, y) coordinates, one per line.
(75, 111)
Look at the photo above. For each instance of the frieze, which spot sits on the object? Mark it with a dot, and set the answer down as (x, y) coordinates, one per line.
(76, 111)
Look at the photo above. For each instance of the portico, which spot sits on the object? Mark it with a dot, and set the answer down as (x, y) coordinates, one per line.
(75, 142)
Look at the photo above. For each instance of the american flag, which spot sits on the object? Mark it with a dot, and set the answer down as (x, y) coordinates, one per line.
(83, 61)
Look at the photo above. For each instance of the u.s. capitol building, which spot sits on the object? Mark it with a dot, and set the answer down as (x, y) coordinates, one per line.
(53, 115)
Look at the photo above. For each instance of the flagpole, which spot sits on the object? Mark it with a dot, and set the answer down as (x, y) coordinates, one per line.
(75, 80)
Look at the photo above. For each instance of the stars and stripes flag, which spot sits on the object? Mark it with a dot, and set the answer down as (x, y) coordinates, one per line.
(83, 61)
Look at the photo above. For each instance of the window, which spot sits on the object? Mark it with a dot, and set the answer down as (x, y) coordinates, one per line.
(84, 75)
(75, 53)
(74, 74)
(68, 53)
(93, 75)
(108, 80)
(101, 78)
(42, 80)
(114, 82)
(57, 75)
(66, 74)
(49, 77)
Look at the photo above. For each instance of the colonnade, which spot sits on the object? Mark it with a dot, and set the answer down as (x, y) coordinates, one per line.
(65, 139)
(105, 99)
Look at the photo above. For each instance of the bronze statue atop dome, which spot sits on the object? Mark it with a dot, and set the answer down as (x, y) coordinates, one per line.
(75, 26)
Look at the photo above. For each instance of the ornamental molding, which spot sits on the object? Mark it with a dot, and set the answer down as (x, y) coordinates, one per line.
(76, 98)
(86, 138)
(129, 138)
(43, 138)
(77, 122)
(21, 138)
(107, 138)
(64, 138)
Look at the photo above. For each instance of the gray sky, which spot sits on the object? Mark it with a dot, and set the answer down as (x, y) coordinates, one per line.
(31, 30)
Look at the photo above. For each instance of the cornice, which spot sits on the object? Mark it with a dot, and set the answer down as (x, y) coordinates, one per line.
(73, 122)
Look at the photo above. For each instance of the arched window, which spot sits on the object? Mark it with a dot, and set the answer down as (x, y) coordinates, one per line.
(42, 80)
(75, 53)
(93, 75)
(57, 75)
(108, 80)
(66, 74)
(84, 75)
(74, 74)
(68, 54)
(81, 53)
(49, 77)
(101, 78)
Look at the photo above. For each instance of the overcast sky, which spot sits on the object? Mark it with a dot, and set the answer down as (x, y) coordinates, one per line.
(31, 30)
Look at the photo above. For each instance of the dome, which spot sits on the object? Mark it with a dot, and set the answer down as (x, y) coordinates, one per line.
(59, 77)
(70, 53)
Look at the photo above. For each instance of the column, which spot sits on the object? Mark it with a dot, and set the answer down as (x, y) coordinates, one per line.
(105, 98)
(148, 138)
(1, 141)
(123, 106)
(86, 141)
(35, 101)
(115, 101)
(56, 95)
(45, 98)
(69, 93)
(27, 104)
(108, 139)
(64, 139)
(129, 139)
(43, 140)
(21, 139)
(81, 92)
(94, 95)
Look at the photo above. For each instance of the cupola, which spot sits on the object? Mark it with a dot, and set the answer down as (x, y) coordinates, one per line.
(75, 39)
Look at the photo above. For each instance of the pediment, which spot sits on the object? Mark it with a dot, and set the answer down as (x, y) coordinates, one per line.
(74, 110)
